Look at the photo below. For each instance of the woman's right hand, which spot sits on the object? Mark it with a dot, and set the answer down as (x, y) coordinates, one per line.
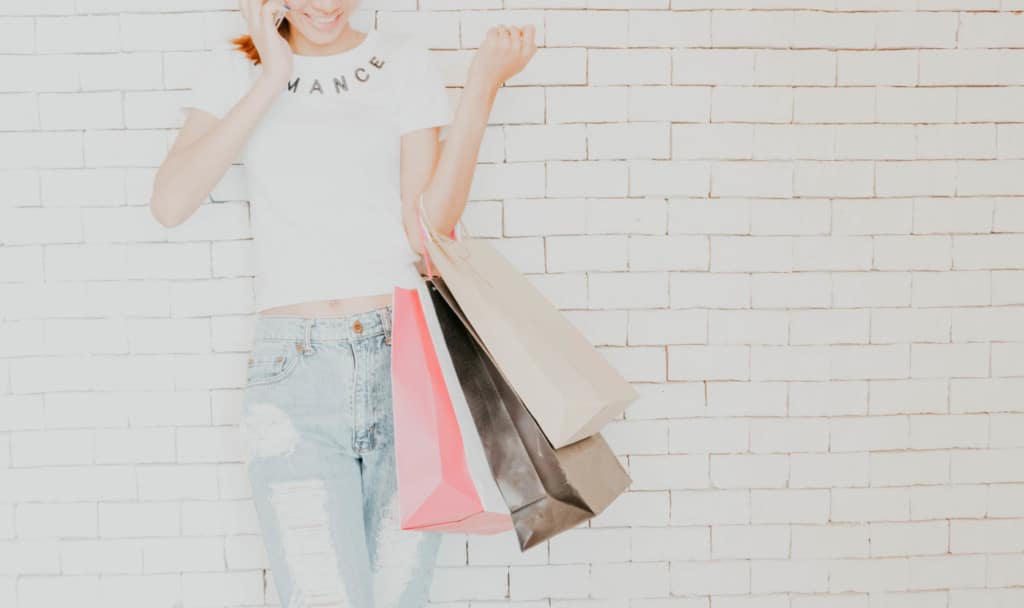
(275, 52)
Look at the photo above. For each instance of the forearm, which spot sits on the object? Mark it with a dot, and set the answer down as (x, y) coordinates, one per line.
(446, 195)
(189, 173)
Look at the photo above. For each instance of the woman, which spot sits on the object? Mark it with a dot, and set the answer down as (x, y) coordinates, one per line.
(339, 133)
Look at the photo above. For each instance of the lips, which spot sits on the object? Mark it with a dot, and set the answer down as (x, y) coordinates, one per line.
(319, 21)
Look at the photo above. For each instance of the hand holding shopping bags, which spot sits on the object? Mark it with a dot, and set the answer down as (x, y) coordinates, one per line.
(544, 488)
(565, 383)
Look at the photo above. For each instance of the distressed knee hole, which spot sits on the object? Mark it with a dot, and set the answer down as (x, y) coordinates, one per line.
(397, 555)
(301, 509)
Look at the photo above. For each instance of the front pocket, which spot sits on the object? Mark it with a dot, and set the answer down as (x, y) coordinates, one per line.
(271, 361)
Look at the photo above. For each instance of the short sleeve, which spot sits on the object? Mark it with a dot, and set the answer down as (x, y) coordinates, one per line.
(423, 99)
(219, 81)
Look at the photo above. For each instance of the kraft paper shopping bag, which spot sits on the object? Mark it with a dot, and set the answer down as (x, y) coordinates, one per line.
(565, 383)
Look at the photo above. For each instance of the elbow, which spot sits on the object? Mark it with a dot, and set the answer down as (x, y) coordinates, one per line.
(440, 221)
(163, 213)
(169, 202)
(158, 206)
(159, 213)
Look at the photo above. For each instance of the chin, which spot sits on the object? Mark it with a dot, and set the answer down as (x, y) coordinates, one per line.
(319, 37)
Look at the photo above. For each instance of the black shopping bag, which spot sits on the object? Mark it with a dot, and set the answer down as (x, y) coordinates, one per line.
(547, 490)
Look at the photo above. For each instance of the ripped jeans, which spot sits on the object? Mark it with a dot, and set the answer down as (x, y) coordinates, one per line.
(318, 440)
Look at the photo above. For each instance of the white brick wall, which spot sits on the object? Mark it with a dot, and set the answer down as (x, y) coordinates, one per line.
(796, 225)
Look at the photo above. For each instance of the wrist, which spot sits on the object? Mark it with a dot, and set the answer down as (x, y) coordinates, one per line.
(271, 82)
(484, 86)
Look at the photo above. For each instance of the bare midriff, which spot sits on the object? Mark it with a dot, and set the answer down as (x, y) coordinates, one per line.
(330, 308)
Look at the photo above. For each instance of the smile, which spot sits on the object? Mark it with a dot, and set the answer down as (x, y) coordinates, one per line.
(324, 22)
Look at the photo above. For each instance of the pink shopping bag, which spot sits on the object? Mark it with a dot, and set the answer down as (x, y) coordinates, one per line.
(444, 481)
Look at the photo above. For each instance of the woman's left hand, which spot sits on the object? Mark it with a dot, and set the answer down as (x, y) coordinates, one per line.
(504, 52)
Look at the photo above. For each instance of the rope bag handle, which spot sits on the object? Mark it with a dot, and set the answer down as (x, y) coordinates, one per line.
(428, 233)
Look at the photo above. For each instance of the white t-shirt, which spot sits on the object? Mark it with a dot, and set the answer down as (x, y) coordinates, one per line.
(322, 166)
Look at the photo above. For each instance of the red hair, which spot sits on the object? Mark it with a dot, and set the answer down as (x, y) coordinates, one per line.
(245, 44)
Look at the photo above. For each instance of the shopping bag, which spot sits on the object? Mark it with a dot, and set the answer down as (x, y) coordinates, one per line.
(444, 481)
(494, 511)
(566, 384)
(547, 490)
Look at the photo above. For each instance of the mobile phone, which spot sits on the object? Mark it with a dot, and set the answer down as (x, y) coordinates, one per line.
(280, 17)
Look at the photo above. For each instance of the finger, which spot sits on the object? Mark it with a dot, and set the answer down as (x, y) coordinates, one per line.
(251, 6)
(267, 10)
(267, 13)
(504, 34)
(524, 38)
(274, 6)
(276, 12)
(496, 35)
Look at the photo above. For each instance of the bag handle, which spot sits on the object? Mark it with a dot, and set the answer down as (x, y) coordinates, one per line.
(428, 233)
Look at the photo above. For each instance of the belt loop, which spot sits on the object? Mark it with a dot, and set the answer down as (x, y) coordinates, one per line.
(385, 321)
(306, 346)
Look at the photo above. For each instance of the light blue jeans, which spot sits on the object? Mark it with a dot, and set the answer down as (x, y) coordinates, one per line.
(318, 438)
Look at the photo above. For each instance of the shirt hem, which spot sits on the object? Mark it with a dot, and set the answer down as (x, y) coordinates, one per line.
(407, 276)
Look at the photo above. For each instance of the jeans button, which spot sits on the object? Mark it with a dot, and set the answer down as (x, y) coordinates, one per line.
(357, 327)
